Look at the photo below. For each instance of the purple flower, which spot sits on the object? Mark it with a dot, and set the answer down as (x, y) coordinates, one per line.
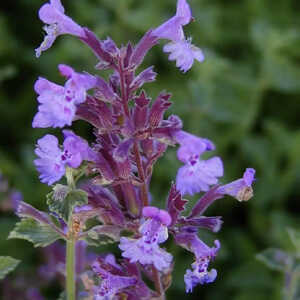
(241, 189)
(52, 159)
(58, 23)
(196, 175)
(76, 150)
(203, 255)
(146, 249)
(180, 48)
(111, 283)
(58, 104)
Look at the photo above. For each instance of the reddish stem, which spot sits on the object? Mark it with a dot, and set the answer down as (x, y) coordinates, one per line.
(158, 284)
(141, 171)
(144, 187)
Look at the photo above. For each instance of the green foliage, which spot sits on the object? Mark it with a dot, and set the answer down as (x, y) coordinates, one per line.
(7, 264)
(102, 235)
(276, 259)
(41, 235)
(63, 199)
(295, 238)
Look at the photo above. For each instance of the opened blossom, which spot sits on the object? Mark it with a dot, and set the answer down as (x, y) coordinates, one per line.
(153, 232)
(112, 282)
(58, 104)
(58, 23)
(196, 175)
(180, 48)
(199, 274)
(53, 160)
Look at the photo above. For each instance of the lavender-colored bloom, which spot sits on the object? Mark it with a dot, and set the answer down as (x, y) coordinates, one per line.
(184, 53)
(58, 104)
(58, 23)
(111, 283)
(52, 160)
(146, 249)
(241, 189)
(196, 175)
(200, 274)
(203, 255)
(180, 48)
(50, 163)
(76, 149)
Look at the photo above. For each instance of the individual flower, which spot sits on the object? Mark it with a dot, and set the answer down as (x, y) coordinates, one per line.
(180, 48)
(58, 23)
(53, 160)
(57, 103)
(154, 231)
(113, 280)
(196, 175)
(203, 255)
(241, 189)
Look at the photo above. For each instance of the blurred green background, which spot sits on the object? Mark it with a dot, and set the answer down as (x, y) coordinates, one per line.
(244, 97)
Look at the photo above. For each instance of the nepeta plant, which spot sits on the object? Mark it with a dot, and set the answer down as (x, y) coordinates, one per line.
(131, 134)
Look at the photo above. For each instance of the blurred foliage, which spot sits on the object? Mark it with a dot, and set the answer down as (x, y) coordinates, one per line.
(245, 97)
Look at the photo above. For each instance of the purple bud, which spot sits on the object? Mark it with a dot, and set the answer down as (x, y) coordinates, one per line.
(212, 223)
(158, 109)
(147, 75)
(110, 47)
(106, 59)
(141, 49)
(104, 91)
(141, 110)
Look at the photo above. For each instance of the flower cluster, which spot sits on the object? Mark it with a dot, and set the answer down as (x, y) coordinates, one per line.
(131, 134)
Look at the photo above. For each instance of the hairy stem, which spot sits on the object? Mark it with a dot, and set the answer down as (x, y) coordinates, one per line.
(158, 284)
(70, 269)
(124, 94)
(144, 188)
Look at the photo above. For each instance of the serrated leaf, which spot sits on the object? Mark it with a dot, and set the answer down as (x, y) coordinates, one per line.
(7, 264)
(102, 235)
(295, 238)
(63, 200)
(276, 259)
(41, 235)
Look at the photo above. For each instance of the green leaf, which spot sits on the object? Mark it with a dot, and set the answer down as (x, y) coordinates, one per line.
(63, 199)
(295, 238)
(7, 264)
(102, 235)
(41, 235)
(276, 259)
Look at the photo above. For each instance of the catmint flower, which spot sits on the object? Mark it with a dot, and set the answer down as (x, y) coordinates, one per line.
(196, 175)
(180, 48)
(58, 23)
(203, 255)
(58, 104)
(146, 249)
(111, 283)
(241, 189)
(53, 160)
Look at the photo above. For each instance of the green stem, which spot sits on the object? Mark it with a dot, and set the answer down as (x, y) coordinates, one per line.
(70, 269)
